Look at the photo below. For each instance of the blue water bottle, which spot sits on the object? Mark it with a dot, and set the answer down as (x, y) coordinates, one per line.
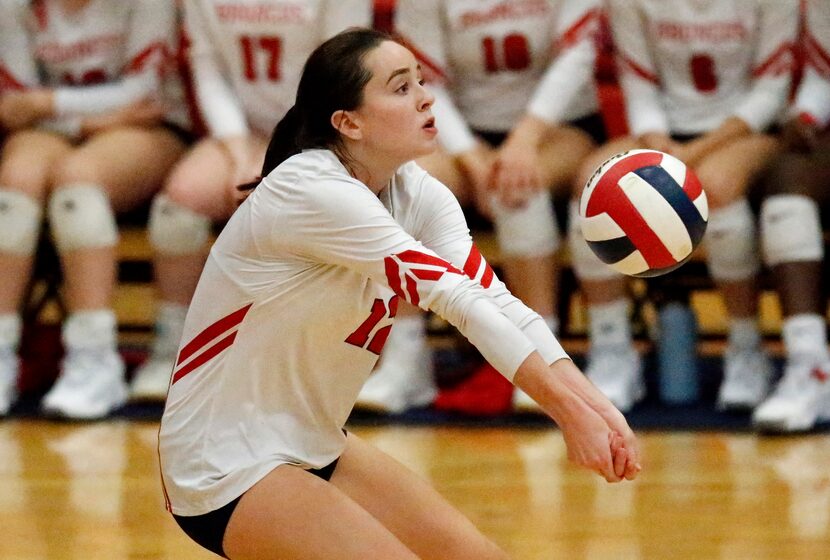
(677, 354)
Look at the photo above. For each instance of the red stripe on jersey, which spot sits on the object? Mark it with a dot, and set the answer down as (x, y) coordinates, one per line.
(41, 14)
(473, 265)
(487, 277)
(638, 70)
(204, 357)
(779, 62)
(393, 276)
(427, 274)
(222, 325)
(430, 69)
(817, 56)
(8, 81)
(614, 202)
(393, 306)
(473, 262)
(182, 56)
(416, 257)
(574, 33)
(411, 274)
(412, 290)
(139, 61)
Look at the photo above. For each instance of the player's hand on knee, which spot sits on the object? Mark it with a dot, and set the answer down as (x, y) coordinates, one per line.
(516, 175)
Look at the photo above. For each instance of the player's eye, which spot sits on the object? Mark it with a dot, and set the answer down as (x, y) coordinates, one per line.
(403, 88)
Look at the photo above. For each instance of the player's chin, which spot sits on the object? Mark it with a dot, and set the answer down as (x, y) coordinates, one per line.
(428, 145)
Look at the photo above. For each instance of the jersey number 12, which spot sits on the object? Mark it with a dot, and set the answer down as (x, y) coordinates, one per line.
(379, 311)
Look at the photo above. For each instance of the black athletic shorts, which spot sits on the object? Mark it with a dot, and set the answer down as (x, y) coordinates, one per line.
(208, 529)
(187, 137)
(592, 125)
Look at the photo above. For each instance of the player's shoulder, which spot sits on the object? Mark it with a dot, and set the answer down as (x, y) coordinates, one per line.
(413, 183)
(312, 177)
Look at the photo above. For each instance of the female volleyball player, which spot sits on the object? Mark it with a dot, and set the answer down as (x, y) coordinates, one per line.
(793, 239)
(246, 59)
(90, 134)
(703, 81)
(518, 113)
(293, 308)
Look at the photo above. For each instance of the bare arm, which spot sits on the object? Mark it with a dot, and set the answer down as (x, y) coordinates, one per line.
(597, 435)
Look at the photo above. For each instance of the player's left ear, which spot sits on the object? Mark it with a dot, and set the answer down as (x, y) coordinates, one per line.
(346, 124)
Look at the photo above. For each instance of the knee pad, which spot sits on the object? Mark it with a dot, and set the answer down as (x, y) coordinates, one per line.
(20, 218)
(81, 217)
(732, 242)
(791, 230)
(176, 230)
(530, 231)
(586, 264)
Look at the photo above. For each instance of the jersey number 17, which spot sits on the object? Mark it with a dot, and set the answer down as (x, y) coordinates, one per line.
(254, 50)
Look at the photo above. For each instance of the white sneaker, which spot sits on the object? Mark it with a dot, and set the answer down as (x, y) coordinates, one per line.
(747, 375)
(152, 379)
(801, 398)
(403, 377)
(523, 403)
(396, 386)
(91, 385)
(9, 368)
(617, 371)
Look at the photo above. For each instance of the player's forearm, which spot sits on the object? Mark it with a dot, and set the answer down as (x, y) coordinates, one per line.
(543, 384)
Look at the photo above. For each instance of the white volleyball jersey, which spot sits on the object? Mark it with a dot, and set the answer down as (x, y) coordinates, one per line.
(687, 65)
(248, 55)
(104, 56)
(813, 98)
(293, 308)
(492, 56)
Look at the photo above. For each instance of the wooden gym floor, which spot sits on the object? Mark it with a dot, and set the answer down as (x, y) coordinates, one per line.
(91, 491)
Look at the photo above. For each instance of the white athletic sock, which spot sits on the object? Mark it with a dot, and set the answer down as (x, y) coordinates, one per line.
(805, 335)
(610, 324)
(168, 328)
(743, 334)
(10, 327)
(95, 328)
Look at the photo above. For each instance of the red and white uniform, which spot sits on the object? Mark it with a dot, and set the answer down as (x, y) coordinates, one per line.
(494, 60)
(248, 55)
(687, 65)
(104, 56)
(813, 98)
(293, 308)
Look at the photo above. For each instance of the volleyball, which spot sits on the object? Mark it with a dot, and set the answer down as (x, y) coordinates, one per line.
(643, 212)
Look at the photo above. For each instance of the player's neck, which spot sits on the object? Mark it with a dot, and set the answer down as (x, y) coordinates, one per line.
(374, 171)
